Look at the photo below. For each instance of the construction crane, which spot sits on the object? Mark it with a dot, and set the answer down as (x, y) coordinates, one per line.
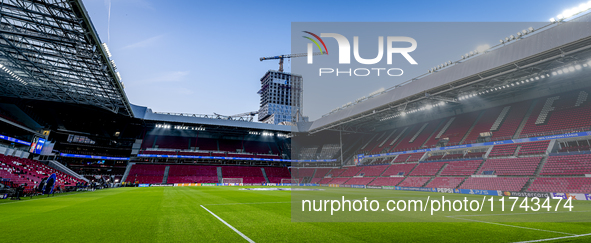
(289, 56)
(239, 117)
(252, 113)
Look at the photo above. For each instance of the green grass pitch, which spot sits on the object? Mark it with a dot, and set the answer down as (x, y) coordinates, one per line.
(174, 214)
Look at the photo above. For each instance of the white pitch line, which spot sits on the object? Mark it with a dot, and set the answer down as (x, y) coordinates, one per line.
(242, 203)
(509, 214)
(514, 226)
(231, 227)
(557, 238)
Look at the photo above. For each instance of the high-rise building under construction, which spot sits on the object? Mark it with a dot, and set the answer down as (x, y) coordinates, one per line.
(281, 98)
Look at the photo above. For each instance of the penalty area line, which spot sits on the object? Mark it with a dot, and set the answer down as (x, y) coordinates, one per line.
(514, 226)
(230, 226)
(557, 238)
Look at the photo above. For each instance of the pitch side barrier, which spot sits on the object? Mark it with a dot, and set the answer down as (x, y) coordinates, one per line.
(360, 157)
(573, 196)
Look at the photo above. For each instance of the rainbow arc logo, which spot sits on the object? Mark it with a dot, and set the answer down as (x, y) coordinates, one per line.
(315, 42)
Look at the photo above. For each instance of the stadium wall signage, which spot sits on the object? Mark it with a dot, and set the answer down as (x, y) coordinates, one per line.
(479, 192)
(228, 158)
(11, 139)
(527, 194)
(573, 196)
(445, 190)
(420, 189)
(92, 157)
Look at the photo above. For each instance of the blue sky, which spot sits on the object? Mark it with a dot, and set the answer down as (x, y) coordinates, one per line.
(202, 56)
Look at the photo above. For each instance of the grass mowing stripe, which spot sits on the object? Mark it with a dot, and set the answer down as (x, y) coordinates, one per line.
(557, 238)
(231, 227)
(515, 226)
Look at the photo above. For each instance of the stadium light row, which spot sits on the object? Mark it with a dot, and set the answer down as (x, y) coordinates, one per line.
(179, 127)
(551, 73)
(554, 72)
(268, 134)
(404, 113)
(571, 12)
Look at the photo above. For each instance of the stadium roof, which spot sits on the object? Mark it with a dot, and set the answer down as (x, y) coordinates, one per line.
(523, 57)
(146, 113)
(49, 50)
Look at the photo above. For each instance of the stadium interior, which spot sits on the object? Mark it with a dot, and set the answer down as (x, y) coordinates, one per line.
(520, 126)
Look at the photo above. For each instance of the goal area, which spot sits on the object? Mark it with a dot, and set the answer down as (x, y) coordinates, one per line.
(232, 180)
(290, 181)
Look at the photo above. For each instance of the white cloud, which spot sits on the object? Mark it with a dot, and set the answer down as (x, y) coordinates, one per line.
(144, 43)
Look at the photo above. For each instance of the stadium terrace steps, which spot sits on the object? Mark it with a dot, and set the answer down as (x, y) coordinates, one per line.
(444, 129)
(472, 127)
(525, 119)
(127, 169)
(432, 133)
(218, 171)
(500, 118)
(397, 137)
(369, 141)
(388, 138)
(165, 177)
(418, 136)
(265, 175)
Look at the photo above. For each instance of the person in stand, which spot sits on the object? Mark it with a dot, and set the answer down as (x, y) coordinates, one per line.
(19, 191)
